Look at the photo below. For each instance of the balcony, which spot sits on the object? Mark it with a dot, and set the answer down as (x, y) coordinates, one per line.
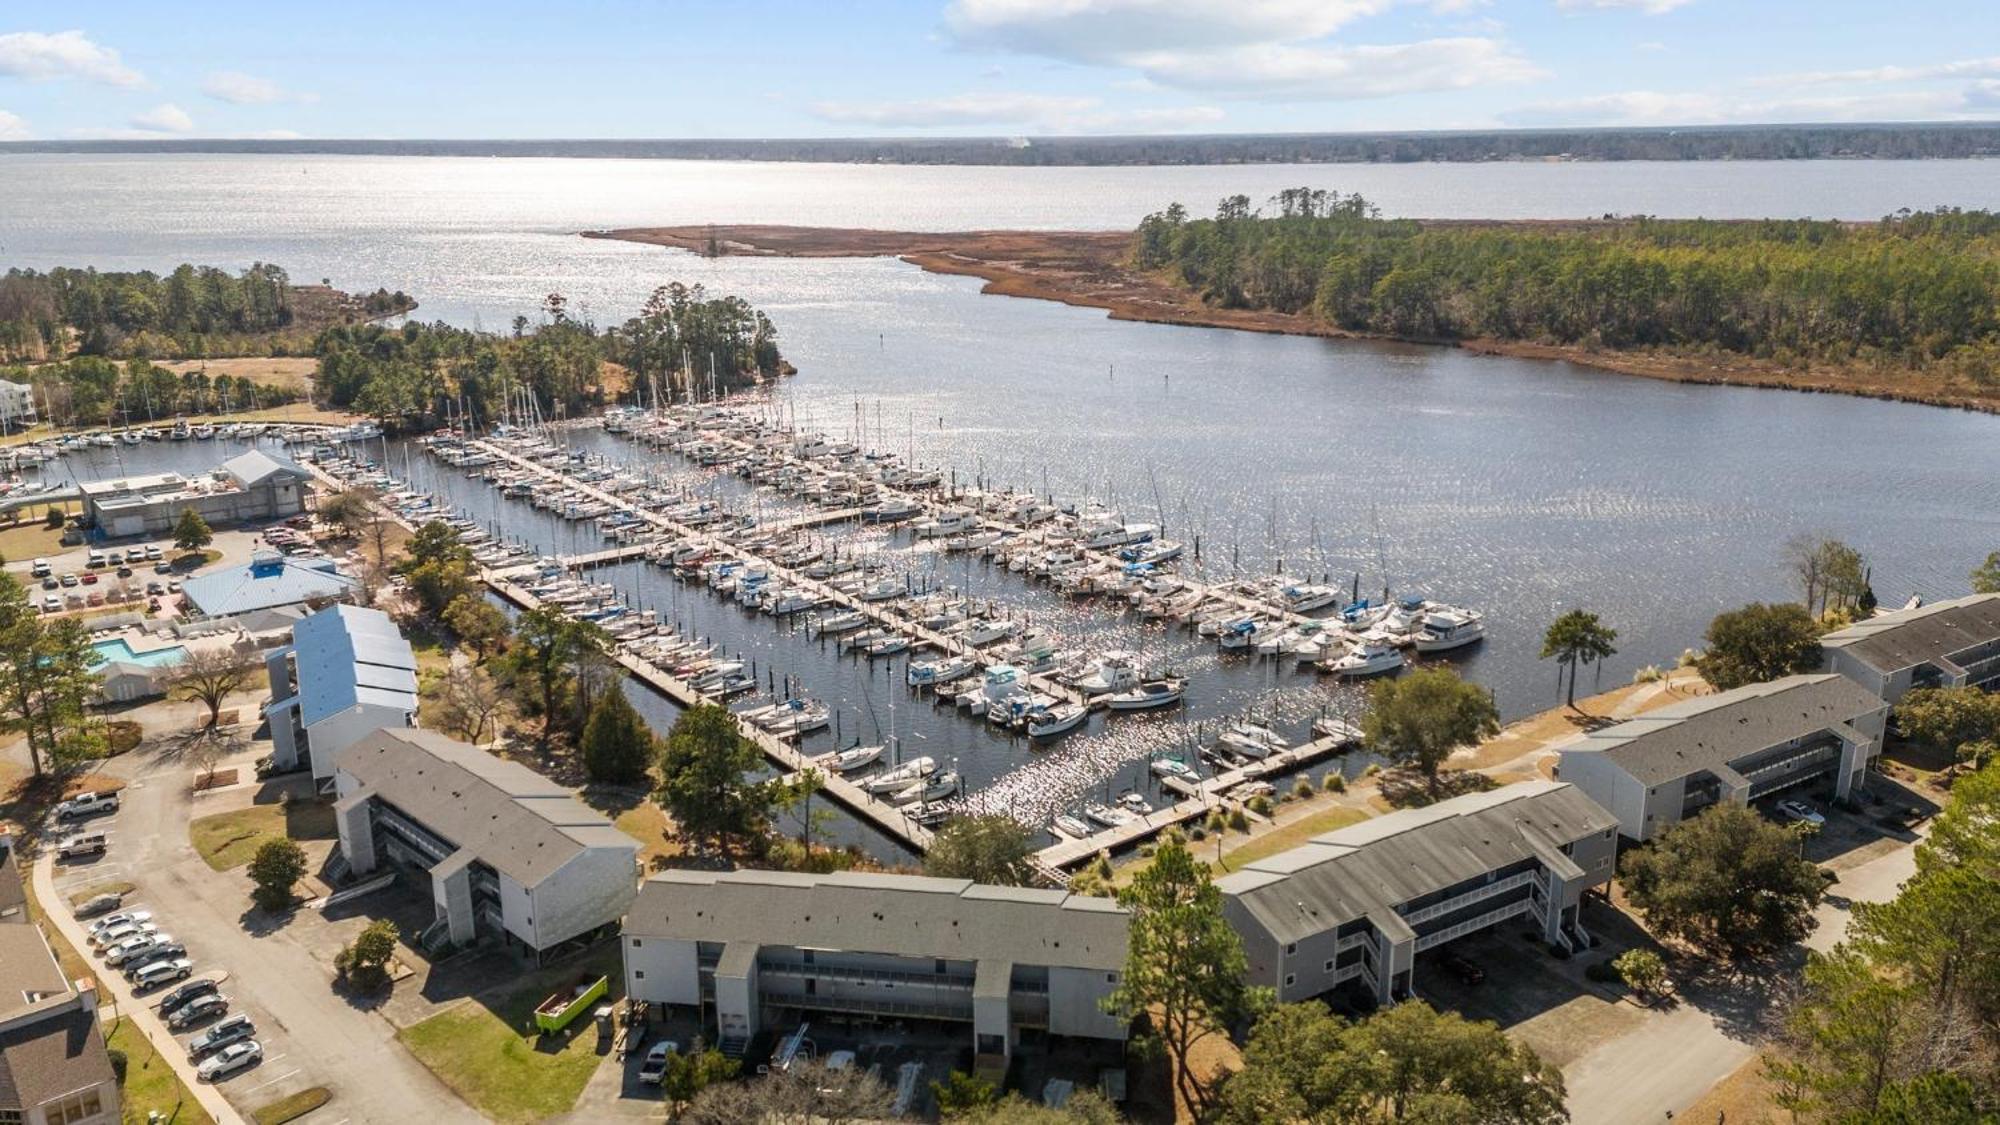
(800, 1000)
(1352, 941)
(837, 972)
(1477, 894)
(1480, 922)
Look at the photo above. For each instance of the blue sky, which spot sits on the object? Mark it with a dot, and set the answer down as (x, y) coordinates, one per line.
(662, 68)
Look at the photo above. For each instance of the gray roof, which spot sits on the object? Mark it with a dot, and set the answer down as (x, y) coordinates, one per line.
(253, 467)
(265, 582)
(350, 654)
(898, 915)
(29, 974)
(13, 896)
(513, 819)
(1715, 730)
(1376, 865)
(43, 1059)
(1909, 637)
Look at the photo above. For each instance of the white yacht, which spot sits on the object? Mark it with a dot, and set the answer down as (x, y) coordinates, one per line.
(1060, 719)
(1369, 658)
(897, 778)
(1252, 740)
(1442, 630)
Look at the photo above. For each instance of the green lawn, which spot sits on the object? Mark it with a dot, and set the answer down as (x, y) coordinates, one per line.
(229, 839)
(480, 1050)
(150, 1083)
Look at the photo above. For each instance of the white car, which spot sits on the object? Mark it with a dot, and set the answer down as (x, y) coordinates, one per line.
(162, 972)
(131, 947)
(654, 1069)
(112, 935)
(119, 919)
(229, 1060)
(1800, 812)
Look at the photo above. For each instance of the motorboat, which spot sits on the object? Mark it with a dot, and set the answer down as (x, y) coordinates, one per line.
(1110, 816)
(979, 631)
(791, 601)
(1174, 767)
(798, 717)
(891, 510)
(1442, 630)
(1252, 740)
(934, 788)
(1135, 803)
(1057, 720)
(1305, 599)
(886, 646)
(1071, 825)
(1369, 658)
(837, 623)
(931, 673)
(898, 778)
(950, 522)
(973, 541)
(1115, 671)
(1149, 695)
(1247, 635)
(854, 758)
(1337, 729)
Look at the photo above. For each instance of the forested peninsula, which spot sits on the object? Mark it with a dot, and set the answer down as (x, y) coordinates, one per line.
(106, 348)
(1905, 308)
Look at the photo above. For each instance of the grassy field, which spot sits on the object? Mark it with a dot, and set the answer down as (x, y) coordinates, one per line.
(292, 372)
(292, 1107)
(150, 1084)
(31, 538)
(229, 839)
(479, 1049)
(1281, 838)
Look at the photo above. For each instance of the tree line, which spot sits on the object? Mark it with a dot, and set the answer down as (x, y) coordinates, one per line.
(188, 312)
(1914, 290)
(92, 390)
(683, 340)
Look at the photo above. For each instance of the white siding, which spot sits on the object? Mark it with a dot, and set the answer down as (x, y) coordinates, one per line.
(1075, 1007)
(342, 729)
(594, 888)
(662, 970)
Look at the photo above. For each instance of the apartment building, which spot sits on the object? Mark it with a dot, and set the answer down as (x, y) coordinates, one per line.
(347, 673)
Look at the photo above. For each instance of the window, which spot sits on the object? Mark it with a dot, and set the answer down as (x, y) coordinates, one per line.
(11, 1117)
(940, 966)
(1291, 979)
(1329, 967)
(1291, 949)
(1111, 978)
(75, 1107)
(638, 974)
(636, 943)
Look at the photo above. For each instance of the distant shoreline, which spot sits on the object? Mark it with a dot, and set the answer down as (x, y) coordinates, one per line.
(1089, 269)
(1772, 142)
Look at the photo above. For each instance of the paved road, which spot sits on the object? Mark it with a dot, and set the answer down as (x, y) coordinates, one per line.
(312, 1035)
(1671, 1060)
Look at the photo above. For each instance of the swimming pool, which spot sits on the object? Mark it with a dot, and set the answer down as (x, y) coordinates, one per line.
(118, 650)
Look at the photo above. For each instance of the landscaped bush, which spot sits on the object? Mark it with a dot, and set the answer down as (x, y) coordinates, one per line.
(1334, 782)
(1303, 789)
(1240, 823)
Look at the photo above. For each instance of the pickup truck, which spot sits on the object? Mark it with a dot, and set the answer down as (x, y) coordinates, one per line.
(88, 804)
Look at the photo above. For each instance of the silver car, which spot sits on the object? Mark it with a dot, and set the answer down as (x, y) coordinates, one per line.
(112, 935)
(131, 947)
(229, 1060)
(119, 919)
(162, 972)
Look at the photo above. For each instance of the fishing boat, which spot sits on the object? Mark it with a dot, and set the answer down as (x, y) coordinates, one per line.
(1443, 630)
(855, 757)
(1149, 695)
(1115, 671)
(1057, 720)
(1131, 801)
(931, 673)
(1368, 658)
(898, 778)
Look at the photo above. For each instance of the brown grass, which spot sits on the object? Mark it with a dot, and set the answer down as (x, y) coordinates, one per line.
(291, 372)
(1746, 1097)
(1090, 269)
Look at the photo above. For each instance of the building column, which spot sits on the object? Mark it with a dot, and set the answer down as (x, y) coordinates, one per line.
(452, 890)
(357, 832)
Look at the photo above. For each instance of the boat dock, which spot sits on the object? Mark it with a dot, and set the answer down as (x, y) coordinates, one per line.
(1199, 799)
(882, 614)
(888, 818)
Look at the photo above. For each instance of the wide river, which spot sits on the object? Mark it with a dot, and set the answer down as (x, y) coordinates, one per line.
(1519, 487)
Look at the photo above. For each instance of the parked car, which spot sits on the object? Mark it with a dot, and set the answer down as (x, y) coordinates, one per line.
(153, 974)
(112, 935)
(40, 568)
(182, 996)
(163, 568)
(231, 1059)
(1464, 968)
(156, 587)
(80, 845)
(69, 580)
(654, 1069)
(1801, 813)
(124, 572)
(98, 904)
(52, 604)
(235, 1029)
(198, 1009)
(90, 579)
(132, 947)
(88, 804)
(50, 583)
(153, 552)
(121, 918)
(162, 951)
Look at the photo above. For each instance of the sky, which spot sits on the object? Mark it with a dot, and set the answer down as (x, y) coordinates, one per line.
(806, 68)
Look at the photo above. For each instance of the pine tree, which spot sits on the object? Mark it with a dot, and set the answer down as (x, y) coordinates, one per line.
(617, 744)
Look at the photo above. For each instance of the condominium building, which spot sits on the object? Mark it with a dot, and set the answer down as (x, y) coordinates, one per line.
(512, 857)
(1953, 643)
(1358, 904)
(347, 673)
(758, 950)
(1658, 769)
(53, 1066)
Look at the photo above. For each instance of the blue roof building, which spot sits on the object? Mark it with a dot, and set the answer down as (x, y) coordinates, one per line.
(267, 581)
(347, 673)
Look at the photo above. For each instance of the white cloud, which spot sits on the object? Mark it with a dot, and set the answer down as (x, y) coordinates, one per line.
(1270, 49)
(12, 128)
(40, 56)
(1307, 73)
(1960, 68)
(237, 88)
(1650, 7)
(163, 118)
(1036, 112)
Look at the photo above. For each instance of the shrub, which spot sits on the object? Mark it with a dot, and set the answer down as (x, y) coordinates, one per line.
(1334, 782)
(1260, 804)
(118, 1060)
(1650, 674)
(1303, 789)
(1240, 823)
(1195, 833)
(1373, 769)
